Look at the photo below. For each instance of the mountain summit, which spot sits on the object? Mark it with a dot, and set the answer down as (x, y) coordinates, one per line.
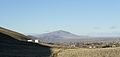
(60, 34)
(57, 36)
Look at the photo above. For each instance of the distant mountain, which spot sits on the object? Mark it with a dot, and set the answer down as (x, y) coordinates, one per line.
(57, 36)
(64, 36)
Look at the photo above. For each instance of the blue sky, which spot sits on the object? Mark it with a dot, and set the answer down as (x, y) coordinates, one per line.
(76, 16)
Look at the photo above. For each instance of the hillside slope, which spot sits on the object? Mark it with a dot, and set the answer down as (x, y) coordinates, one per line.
(14, 34)
(10, 46)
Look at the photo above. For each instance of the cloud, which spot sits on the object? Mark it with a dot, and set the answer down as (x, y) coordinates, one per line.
(112, 27)
(96, 28)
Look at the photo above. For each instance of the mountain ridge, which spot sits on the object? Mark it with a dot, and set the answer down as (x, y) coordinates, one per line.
(57, 36)
(60, 34)
(64, 36)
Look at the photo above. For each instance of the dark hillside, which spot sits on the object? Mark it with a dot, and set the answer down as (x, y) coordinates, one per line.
(14, 34)
(11, 47)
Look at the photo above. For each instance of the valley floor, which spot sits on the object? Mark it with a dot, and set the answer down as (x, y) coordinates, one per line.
(82, 52)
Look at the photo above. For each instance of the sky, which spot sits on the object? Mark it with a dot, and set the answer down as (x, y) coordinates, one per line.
(76, 16)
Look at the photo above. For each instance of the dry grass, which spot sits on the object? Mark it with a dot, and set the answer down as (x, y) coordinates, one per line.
(81, 52)
(14, 34)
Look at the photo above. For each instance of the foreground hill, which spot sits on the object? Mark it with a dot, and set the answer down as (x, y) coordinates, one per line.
(12, 44)
(13, 34)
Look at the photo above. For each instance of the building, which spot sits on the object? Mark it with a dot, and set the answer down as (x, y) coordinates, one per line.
(35, 41)
(30, 40)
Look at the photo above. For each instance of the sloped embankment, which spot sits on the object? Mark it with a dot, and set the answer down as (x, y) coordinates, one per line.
(11, 47)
